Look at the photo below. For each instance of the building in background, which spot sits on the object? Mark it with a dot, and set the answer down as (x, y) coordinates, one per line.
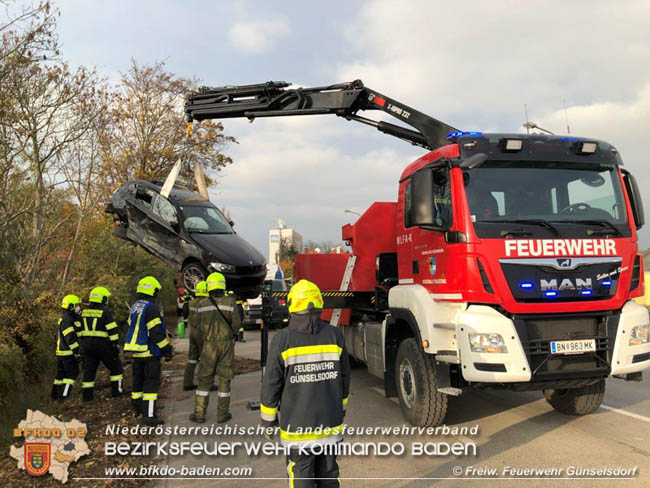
(282, 233)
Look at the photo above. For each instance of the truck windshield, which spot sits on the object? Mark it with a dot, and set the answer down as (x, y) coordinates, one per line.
(542, 198)
(205, 220)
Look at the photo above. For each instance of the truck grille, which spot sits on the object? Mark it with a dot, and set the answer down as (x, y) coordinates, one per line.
(537, 332)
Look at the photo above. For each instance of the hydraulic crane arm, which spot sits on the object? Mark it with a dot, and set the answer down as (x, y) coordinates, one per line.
(273, 99)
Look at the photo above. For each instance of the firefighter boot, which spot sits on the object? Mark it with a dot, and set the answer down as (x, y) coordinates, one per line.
(223, 402)
(87, 394)
(116, 386)
(55, 390)
(200, 407)
(66, 387)
(136, 403)
(149, 414)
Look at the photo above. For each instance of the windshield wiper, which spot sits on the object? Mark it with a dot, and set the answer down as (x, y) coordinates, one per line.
(542, 222)
(602, 223)
(515, 232)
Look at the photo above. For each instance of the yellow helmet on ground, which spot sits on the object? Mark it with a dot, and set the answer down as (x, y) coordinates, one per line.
(201, 289)
(69, 301)
(302, 294)
(99, 294)
(149, 286)
(215, 281)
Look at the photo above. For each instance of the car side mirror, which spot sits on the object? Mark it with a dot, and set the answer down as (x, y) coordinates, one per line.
(422, 208)
(232, 224)
(176, 226)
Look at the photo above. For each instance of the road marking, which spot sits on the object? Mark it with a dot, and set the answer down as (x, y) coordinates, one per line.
(629, 414)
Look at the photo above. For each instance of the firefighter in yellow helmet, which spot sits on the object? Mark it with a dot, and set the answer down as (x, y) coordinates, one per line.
(100, 343)
(146, 339)
(67, 348)
(220, 324)
(198, 309)
(307, 381)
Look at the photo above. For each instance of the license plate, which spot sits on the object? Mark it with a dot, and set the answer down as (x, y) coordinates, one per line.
(573, 347)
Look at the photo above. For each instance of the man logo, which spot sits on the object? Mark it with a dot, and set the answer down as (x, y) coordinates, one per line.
(37, 458)
(564, 263)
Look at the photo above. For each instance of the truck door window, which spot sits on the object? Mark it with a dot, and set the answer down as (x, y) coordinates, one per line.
(442, 198)
(408, 219)
(164, 209)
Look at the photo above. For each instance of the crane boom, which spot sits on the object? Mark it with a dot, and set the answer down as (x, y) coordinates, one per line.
(274, 99)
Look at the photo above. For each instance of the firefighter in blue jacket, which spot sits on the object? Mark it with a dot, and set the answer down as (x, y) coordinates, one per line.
(67, 348)
(307, 381)
(146, 338)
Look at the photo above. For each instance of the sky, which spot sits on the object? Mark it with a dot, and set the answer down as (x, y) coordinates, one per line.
(472, 64)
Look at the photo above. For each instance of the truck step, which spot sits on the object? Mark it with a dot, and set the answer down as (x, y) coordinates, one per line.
(451, 391)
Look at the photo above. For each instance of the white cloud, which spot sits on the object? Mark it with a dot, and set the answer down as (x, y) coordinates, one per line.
(257, 36)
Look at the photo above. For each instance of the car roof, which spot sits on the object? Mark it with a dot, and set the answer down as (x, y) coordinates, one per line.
(179, 194)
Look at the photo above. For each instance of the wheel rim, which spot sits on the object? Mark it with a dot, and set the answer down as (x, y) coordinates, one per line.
(407, 383)
(191, 276)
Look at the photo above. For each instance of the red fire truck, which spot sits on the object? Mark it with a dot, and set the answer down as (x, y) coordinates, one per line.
(508, 260)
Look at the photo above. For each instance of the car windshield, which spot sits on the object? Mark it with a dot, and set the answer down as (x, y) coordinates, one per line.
(546, 193)
(205, 220)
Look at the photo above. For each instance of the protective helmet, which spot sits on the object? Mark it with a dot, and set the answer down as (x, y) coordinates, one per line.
(149, 286)
(302, 294)
(216, 281)
(99, 294)
(201, 289)
(69, 302)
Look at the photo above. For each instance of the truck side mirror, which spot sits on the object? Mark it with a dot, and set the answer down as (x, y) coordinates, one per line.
(422, 209)
(635, 199)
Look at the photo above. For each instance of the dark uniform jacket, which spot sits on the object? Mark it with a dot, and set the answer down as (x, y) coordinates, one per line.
(67, 343)
(98, 321)
(307, 379)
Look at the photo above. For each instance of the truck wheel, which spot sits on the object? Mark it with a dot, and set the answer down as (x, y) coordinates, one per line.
(577, 401)
(422, 405)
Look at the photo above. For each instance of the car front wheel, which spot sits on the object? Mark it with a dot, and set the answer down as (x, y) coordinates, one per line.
(191, 274)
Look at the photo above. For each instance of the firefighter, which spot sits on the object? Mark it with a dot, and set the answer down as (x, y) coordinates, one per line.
(196, 334)
(218, 352)
(240, 311)
(307, 380)
(67, 348)
(100, 343)
(146, 338)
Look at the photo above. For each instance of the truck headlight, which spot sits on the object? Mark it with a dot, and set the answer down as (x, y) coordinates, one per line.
(223, 267)
(487, 343)
(640, 335)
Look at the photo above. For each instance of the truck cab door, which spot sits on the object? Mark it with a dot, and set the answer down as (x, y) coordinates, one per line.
(427, 217)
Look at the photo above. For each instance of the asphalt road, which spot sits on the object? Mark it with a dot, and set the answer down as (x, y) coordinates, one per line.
(516, 430)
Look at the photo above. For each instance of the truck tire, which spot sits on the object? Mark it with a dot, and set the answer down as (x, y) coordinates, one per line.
(577, 401)
(421, 403)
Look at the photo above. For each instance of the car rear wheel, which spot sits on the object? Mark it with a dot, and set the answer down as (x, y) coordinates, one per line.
(191, 274)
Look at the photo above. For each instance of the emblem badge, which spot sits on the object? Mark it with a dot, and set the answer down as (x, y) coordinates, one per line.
(37, 458)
